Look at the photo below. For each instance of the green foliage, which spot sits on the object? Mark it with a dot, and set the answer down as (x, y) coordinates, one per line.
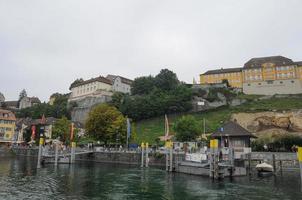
(154, 96)
(166, 80)
(61, 129)
(142, 85)
(77, 81)
(57, 110)
(22, 94)
(105, 123)
(186, 128)
(277, 143)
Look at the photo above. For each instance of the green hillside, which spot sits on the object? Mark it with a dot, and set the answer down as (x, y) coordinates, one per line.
(149, 130)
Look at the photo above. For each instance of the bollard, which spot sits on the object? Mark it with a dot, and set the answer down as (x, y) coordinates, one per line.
(147, 154)
(143, 151)
(171, 159)
(56, 153)
(41, 141)
(214, 158)
(72, 156)
(300, 161)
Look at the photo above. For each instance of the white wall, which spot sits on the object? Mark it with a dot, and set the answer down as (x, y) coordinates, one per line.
(89, 88)
(119, 86)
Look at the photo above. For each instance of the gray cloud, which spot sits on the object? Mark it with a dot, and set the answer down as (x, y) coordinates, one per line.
(45, 45)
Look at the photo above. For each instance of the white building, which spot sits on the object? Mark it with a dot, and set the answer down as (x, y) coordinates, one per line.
(120, 84)
(26, 102)
(90, 87)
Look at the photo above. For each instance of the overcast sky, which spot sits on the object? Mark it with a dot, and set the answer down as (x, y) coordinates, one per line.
(45, 45)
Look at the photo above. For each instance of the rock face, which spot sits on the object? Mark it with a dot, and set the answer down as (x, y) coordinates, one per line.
(85, 104)
(264, 121)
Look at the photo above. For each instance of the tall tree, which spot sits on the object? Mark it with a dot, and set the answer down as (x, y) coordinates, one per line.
(186, 128)
(166, 80)
(142, 85)
(105, 123)
(22, 94)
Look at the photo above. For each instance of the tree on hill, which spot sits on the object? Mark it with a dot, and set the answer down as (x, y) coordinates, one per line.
(166, 80)
(186, 128)
(78, 80)
(154, 96)
(105, 123)
(61, 129)
(22, 94)
(142, 85)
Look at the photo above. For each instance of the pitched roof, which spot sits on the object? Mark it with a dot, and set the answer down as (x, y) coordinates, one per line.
(34, 100)
(277, 60)
(11, 103)
(7, 115)
(299, 63)
(123, 79)
(97, 79)
(232, 129)
(223, 71)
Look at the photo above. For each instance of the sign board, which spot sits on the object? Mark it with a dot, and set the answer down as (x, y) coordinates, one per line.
(196, 157)
(300, 154)
(214, 143)
(200, 103)
(168, 144)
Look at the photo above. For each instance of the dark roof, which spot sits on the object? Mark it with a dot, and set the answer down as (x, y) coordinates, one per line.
(34, 100)
(98, 79)
(222, 71)
(232, 129)
(124, 80)
(11, 103)
(277, 60)
(299, 63)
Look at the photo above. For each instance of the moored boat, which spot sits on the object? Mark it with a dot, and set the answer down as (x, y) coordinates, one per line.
(264, 167)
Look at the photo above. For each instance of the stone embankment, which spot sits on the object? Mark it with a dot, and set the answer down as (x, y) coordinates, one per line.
(271, 122)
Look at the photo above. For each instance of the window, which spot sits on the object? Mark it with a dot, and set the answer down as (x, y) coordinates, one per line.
(281, 82)
(270, 82)
(293, 81)
(259, 83)
(248, 84)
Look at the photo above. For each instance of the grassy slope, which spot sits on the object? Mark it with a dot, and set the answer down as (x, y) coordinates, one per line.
(149, 130)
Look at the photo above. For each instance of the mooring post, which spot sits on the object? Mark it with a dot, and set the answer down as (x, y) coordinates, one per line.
(167, 159)
(274, 162)
(72, 156)
(41, 141)
(171, 159)
(249, 164)
(281, 168)
(147, 154)
(56, 153)
(143, 151)
(300, 161)
(213, 158)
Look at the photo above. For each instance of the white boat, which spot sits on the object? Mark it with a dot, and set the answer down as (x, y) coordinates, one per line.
(264, 167)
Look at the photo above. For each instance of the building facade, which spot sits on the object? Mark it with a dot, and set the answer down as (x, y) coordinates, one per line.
(27, 102)
(7, 126)
(263, 76)
(120, 84)
(90, 87)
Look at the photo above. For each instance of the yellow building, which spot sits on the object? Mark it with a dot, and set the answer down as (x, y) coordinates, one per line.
(7, 126)
(233, 75)
(265, 75)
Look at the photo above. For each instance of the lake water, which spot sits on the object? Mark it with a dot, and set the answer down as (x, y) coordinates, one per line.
(19, 179)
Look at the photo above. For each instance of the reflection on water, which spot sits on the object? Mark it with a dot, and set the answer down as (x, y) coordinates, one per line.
(19, 179)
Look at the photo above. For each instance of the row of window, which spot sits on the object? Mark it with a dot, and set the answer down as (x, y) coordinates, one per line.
(4, 129)
(271, 82)
(6, 121)
(85, 90)
(223, 75)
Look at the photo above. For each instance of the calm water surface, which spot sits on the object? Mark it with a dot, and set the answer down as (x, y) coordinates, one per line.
(19, 179)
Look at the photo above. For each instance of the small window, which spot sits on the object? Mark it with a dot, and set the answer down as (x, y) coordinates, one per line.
(270, 82)
(259, 83)
(281, 82)
(248, 84)
(293, 81)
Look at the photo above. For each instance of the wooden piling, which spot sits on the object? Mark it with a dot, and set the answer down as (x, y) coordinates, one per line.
(249, 164)
(56, 153)
(274, 162)
(171, 160)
